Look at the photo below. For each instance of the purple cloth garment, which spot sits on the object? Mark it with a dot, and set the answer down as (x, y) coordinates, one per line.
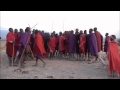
(38, 56)
(25, 38)
(77, 42)
(17, 40)
(106, 44)
(42, 34)
(87, 41)
(71, 43)
(93, 44)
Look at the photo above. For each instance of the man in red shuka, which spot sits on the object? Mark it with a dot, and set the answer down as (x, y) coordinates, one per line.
(113, 56)
(10, 47)
(82, 44)
(107, 39)
(61, 45)
(39, 49)
(99, 38)
(17, 40)
(51, 45)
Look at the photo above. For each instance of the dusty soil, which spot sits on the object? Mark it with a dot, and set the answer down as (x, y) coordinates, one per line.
(54, 69)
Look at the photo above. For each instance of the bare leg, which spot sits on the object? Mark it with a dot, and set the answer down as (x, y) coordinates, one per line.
(69, 55)
(36, 56)
(10, 60)
(43, 62)
(65, 55)
(73, 55)
(96, 57)
(80, 55)
(50, 55)
(17, 60)
(84, 57)
(36, 62)
(39, 57)
(77, 57)
(60, 54)
(85, 53)
(57, 53)
(109, 74)
(89, 56)
(14, 64)
(92, 59)
(22, 62)
(53, 54)
(112, 73)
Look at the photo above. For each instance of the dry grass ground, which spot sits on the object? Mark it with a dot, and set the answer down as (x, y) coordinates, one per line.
(54, 69)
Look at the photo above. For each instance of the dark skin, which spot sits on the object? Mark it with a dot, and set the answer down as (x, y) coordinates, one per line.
(52, 53)
(106, 34)
(42, 31)
(22, 57)
(33, 31)
(80, 34)
(16, 31)
(66, 53)
(77, 31)
(96, 57)
(10, 57)
(56, 51)
(90, 31)
(85, 32)
(60, 52)
(36, 31)
(86, 52)
(21, 31)
(10, 30)
(71, 54)
(112, 38)
(54, 33)
(95, 29)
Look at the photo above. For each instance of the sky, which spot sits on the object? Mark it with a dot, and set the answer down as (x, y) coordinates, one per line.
(105, 21)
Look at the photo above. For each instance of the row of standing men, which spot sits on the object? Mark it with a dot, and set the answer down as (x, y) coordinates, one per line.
(42, 44)
(66, 44)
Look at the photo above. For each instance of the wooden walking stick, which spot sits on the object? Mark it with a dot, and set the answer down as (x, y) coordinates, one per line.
(34, 25)
(22, 53)
(31, 53)
(29, 46)
(24, 48)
